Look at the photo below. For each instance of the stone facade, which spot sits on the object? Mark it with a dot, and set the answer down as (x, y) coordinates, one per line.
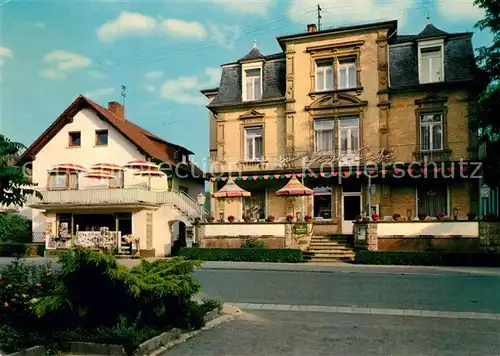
(489, 233)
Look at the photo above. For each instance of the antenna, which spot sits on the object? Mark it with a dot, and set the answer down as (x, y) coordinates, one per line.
(319, 17)
(124, 94)
(428, 18)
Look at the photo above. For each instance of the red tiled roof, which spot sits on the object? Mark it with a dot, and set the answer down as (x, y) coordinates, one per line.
(141, 138)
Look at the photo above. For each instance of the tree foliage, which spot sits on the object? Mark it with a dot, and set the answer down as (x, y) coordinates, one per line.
(14, 228)
(486, 108)
(14, 182)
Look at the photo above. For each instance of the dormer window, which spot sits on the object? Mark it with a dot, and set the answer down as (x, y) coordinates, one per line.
(252, 81)
(431, 64)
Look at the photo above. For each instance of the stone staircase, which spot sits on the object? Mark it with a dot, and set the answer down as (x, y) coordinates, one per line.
(330, 249)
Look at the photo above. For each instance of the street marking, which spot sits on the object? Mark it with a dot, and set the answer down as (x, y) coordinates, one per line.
(368, 311)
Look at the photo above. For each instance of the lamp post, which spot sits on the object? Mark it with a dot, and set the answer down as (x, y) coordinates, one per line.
(201, 201)
(455, 213)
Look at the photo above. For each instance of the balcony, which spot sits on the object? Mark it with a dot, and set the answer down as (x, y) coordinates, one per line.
(432, 156)
(94, 196)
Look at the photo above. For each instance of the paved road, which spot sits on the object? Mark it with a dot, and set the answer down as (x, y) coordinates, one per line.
(299, 333)
(440, 292)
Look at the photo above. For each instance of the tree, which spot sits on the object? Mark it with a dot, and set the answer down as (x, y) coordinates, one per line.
(15, 185)
(486, 108)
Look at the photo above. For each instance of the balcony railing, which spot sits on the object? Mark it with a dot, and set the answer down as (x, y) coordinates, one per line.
(103, 196)
(95, 196)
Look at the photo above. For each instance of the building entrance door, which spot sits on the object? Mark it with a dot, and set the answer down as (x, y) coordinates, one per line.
(351, 206)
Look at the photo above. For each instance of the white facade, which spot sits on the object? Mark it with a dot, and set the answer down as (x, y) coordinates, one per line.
(153, 207)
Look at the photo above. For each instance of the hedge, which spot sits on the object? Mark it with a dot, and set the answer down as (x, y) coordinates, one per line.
(242, 254)
(20, 250)
(433, 258)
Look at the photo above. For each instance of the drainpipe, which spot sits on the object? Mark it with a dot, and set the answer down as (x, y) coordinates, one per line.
(302, 201)
(369, 196)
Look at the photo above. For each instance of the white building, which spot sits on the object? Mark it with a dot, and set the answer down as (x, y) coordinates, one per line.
(78, 209)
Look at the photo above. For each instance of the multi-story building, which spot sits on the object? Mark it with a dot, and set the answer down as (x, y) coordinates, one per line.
(91, 197)
(336, 100)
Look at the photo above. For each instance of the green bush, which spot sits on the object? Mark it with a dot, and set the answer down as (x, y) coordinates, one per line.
(14, 228)
(19, 249)
(253, 242)
(428, 258)
(243, 254)
(105, 302)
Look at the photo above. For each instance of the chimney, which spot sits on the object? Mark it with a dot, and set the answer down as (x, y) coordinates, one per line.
(117, 109)
(311, 27)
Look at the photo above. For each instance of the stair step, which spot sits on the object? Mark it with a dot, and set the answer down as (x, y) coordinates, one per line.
(316, 252)
(331, 255)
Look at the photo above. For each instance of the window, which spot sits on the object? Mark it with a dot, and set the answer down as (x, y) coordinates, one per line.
(322, 203)
(63, 180)
(75, 139)
(255, 205)
(323, 136)
(253, 143)
(347, 73)
(324, 75)
(431, 64)
(432, 199)
(431, 132)
(253, 83)
(101, 137)
(349, 135)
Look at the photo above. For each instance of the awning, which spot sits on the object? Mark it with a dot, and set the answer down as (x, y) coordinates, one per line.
(141, 164)
(96, 174)
(106, 167)
(294, 188)
(150, 173)
(231, 190)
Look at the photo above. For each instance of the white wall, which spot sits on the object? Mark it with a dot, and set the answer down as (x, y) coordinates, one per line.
(437, 228)
(194, 187)
(244, 229)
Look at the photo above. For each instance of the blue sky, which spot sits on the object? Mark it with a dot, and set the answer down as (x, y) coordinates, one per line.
(164, 52)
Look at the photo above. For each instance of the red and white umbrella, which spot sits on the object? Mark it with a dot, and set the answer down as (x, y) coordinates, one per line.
(141, 164)
(150, 173)
(96, 174)
(107, 167)
(69, 167)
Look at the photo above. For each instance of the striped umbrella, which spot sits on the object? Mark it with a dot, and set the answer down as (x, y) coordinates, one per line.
(294, 188)
(150, 173)
(231, 190)
(97, 174)
(69, 167)
(141, 164)
(107, 167)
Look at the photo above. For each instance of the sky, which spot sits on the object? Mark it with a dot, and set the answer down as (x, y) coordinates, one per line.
(164, 52)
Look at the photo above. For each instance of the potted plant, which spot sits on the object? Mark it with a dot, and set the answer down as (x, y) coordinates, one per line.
(230, 218)
(397, 217)
(359, 218)
(471, 216)
(422, 216)
(440, 216)
(247, 218)
(375, 217)
(308, 218)
(270, 218)
(289, 218)
(210, 219)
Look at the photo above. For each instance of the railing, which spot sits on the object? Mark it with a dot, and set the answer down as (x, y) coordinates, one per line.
(182, 201)
(95, 196)
(120, 196)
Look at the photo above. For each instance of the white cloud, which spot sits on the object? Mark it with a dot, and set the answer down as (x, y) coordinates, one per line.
(6, 52)
(224, 35)
(186, 90)
(100, 93)
(181, 28)
(336, 12)
(39, 25)
(96, 74)
(127, 23)
(150, 88)
(254, 7)
(156, 74)
(136, 24)
(459, 10)
(66, 61)
(51, 73)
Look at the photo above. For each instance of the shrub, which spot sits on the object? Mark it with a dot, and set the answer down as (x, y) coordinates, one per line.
(243, 254)
(14, 228)
(19, 249)
(253, 242)
(428, 258)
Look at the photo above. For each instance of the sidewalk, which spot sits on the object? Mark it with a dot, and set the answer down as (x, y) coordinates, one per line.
(351, 268)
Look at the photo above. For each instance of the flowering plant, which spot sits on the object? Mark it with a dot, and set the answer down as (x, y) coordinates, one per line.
(375, 217)
(289, 218)
(440, 215)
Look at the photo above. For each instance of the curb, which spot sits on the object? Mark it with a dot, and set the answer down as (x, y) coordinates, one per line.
(229, 312)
